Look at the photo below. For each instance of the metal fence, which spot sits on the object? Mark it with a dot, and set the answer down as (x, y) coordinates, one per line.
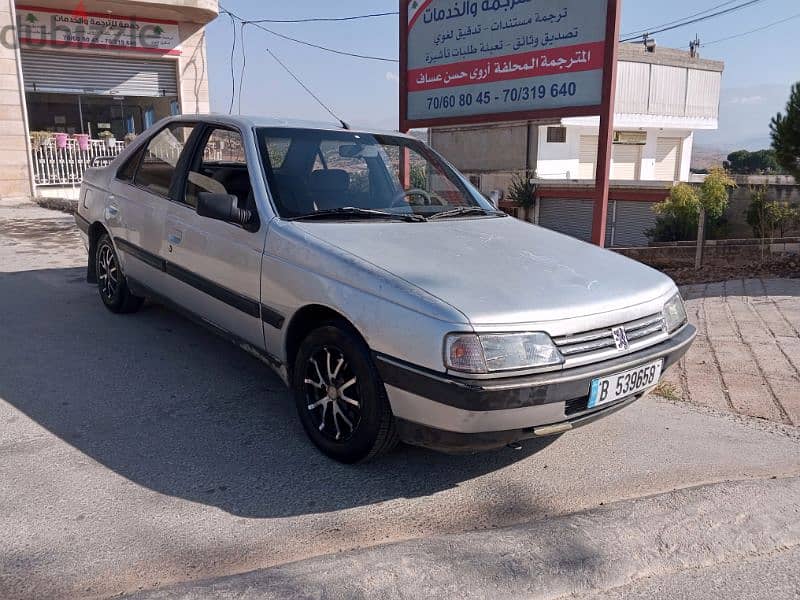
(65, 166)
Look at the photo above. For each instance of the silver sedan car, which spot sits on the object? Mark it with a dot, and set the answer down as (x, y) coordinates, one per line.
(392, 299)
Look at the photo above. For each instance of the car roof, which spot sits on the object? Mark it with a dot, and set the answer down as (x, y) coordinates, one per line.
(249, 122)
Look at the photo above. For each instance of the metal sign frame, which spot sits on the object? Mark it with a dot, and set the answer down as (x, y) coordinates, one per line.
(605, 109)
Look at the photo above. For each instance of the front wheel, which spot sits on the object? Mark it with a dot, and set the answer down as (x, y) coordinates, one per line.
(111, 283)
(340, 397)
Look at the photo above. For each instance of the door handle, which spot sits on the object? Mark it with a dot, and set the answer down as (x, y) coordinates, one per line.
(112, 212)
(175, 238)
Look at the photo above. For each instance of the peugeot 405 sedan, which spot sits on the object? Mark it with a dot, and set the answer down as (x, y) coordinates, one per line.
(394, 300)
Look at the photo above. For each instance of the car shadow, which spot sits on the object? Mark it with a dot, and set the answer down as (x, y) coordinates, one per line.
(170, 406)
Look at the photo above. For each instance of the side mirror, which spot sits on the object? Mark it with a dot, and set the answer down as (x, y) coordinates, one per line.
(222, 207)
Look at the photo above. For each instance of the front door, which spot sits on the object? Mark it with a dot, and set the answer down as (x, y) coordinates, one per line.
(214, 267)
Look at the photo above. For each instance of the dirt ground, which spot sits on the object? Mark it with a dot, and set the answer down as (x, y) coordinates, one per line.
(787, 267)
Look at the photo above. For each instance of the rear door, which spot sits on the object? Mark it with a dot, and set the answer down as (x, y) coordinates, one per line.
(136, 209)
(214, 267)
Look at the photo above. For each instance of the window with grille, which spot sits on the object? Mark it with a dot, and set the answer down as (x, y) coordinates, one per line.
(556, 135)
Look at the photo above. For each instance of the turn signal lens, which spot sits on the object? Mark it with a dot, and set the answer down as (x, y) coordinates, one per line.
(464, 353)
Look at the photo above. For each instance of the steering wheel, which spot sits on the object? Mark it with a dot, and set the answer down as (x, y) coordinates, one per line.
(403, 198)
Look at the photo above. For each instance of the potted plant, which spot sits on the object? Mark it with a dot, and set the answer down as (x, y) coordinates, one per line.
(83, 141)
(109, 138)
(522, 192)
(130, 137)
(61, 140)
(39, 139)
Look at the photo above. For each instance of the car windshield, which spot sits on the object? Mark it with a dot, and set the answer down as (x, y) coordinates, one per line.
(315, 174)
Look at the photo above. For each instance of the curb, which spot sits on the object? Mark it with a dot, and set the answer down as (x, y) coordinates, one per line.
(64, 205)
(600, 549)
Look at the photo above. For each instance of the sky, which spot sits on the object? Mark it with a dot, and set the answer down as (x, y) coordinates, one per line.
(760, 68)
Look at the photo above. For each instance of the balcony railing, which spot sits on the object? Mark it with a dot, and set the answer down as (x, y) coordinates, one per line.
(65, 166)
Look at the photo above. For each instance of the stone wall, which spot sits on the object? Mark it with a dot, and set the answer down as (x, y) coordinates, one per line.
(782, 189)
(15, 174)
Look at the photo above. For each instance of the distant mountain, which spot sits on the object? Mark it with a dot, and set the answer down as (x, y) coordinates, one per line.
(745, 114)
(708, 157)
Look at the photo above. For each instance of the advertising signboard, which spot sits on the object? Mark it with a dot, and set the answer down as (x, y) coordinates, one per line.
(38, 26)
(485, 61)
(494, 60)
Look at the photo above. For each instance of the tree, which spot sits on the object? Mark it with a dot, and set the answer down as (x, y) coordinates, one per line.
(785, 131)
(770, 218)
(679, 214)
(714, 193)
(762, 162)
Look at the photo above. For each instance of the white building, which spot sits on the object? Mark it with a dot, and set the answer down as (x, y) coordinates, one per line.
(663, 97)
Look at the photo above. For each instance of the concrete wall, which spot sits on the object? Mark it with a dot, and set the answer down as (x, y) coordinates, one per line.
(15, 173)
(193, 70)
(487, 148)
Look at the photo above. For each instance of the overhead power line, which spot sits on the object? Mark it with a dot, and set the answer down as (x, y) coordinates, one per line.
(326, 19)
(244, 65)
(702, 12)
(744, 33)
(697, 20)
(307, 43)
(233, 73)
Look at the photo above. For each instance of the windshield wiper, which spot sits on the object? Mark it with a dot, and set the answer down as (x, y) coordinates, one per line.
(465, 210)
(351, 211)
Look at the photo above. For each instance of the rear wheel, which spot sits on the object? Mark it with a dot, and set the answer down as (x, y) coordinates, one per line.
(111, 282)
(340, 397)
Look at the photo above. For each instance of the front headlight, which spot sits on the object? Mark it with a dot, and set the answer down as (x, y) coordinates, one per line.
(674, 313)
(490, 353)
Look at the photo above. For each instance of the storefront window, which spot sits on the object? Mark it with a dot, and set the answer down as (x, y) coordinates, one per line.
(94, 114)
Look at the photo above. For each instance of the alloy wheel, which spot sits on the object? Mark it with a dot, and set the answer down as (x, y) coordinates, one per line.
(107, 272)
(331, 390)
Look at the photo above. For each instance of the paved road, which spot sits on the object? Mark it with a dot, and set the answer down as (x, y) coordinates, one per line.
(712, 541)
(138, 452)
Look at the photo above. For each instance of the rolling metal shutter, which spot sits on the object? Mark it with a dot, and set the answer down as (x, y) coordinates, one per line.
(667, 154)
(625, 160)
(98, 75)
(633, 219)
(572, 217)
(587, 161)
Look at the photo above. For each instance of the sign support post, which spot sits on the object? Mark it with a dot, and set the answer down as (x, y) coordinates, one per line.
(606, 138)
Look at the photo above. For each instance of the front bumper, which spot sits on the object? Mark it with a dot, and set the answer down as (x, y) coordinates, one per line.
(451, 413)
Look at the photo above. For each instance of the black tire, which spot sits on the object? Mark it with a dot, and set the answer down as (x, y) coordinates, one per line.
(372, 428)
(111, 282)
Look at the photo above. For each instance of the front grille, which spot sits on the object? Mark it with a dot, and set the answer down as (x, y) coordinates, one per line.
(599, 342)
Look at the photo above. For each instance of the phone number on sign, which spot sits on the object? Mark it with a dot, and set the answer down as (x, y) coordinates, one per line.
(506, 96)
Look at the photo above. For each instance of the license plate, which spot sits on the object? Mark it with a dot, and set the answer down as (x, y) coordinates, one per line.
(625, 384)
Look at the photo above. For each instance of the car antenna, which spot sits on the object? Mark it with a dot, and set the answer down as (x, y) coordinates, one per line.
(306, 88)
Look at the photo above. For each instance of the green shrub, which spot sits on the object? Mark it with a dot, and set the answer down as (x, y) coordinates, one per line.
(521, 191)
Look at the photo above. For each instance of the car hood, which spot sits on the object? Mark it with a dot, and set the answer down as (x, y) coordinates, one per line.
(499, 270)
